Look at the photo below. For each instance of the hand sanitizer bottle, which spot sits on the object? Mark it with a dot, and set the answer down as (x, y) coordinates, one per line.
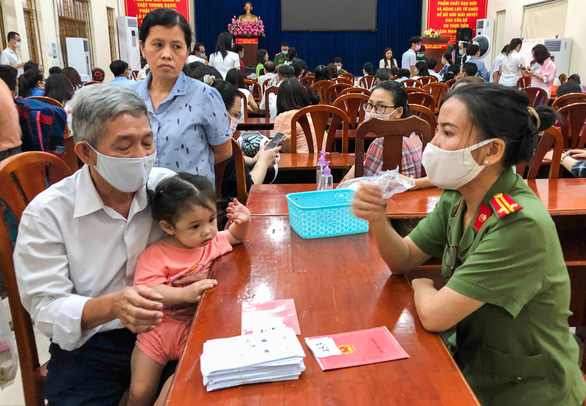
(327, 180)
(321, 164)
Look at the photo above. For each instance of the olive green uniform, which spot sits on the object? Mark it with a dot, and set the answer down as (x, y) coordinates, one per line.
(517, 348)
(280, 59)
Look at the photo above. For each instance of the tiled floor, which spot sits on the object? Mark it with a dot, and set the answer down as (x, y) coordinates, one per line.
(12, 395)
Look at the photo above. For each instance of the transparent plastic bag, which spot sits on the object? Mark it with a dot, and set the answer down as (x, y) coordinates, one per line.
(391, 182)
(8, 354)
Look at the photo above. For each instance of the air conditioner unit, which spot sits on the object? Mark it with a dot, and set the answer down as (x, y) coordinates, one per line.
(128, 41)
(485, 39)
(78, 57)
(560, 50)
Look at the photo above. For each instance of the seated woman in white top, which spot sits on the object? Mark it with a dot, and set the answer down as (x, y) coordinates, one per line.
(512, 64)
(388, 61)
(223, 59)
(236, 79)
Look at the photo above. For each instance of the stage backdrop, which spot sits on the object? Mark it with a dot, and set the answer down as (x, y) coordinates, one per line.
(397, 20)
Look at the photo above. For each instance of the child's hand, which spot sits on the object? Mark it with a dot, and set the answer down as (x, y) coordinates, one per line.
(193, 292)
(237, 213)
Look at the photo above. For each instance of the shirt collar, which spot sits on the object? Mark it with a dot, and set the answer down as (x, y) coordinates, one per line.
(179, 88)
(88, 201)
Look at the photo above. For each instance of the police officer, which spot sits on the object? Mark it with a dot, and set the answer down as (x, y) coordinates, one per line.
(282, 56)
(507, 288)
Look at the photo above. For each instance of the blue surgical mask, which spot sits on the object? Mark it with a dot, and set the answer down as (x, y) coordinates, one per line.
(284, 52)
(461, 51)
(202, 54)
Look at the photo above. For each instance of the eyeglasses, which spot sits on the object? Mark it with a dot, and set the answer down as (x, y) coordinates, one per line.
(237, 115)
(452, 258)
(378, 108)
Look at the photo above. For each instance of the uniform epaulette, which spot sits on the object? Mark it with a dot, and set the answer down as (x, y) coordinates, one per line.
(484, 212)
(504, 205)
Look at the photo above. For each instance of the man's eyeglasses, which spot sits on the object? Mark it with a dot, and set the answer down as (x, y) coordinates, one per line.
(378, 108)
(452, 258)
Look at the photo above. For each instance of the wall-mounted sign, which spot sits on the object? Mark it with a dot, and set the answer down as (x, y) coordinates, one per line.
(449, 15)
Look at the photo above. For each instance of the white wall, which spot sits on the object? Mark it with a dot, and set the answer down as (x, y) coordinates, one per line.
(575, 27)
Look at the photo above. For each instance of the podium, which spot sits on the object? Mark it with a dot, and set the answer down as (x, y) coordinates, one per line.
(435, 48)
(250, 45)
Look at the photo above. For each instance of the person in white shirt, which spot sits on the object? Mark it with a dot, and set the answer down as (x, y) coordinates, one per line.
(198, 54)
(284, 72)
(431, 64)
(409, 58)
(512, 64)
(224, 59)
(10, 56)
(122, 74)
(269, 75)
(496, 65)
(388, 61)
(77, 248)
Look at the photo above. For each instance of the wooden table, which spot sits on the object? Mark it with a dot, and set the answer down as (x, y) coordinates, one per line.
(256, 123)
(339, 284)
(308, 161)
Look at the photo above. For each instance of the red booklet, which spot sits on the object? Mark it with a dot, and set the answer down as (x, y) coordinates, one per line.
(268, 316)
(357, 348)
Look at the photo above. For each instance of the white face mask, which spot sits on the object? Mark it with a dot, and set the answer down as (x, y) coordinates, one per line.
(368, 115)
(17, 45)
(233, 124)
(125, 174)
(339, 67)
(451, 169)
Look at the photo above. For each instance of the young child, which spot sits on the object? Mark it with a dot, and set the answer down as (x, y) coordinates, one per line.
(184, 205)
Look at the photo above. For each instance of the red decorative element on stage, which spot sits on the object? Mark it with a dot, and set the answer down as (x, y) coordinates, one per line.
(448, 15)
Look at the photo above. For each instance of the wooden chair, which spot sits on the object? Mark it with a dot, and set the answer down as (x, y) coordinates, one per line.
(368, 81)
(244, 109)
(47, 100)
(567, 99)
(424, 99)
(414, 90)
(523, 82)
(326, 121)
(393, 132)
(135, 75)
(264, 86)
(308, 79)
(450, 82)
(220, 168)
(351, 104)
(412, 83)
(93, 83)
(22, 177)
(563, 78)
(425, 80)
(334, 91)
(349, 76)
(321, 88)
(551, 138)
(343, 79)
(438, 91)
(254, 88)
(355, 89)
(270, 90)
(573, 118)
(425, 113)
(537, 96)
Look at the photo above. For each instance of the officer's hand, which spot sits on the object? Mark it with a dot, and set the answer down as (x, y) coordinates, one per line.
(368, 203)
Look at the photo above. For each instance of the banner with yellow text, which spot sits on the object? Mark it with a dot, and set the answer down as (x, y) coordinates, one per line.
(448, 15)
(140, 8)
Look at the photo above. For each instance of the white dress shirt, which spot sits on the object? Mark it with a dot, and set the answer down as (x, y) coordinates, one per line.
(72, 248)
(10, 57)
(272, 102)
(223, 65)
(194, 58)
(510, 69)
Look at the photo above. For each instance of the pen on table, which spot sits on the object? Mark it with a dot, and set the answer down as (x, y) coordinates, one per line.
(195, 267)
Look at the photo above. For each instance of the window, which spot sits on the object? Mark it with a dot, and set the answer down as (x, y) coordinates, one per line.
(112, 33)
(31, 24)
(74, 21)
(545, 19)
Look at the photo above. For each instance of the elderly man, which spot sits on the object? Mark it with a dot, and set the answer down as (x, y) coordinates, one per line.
(78, 245)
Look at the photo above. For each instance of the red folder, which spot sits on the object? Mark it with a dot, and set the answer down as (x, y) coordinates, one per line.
(362, 347)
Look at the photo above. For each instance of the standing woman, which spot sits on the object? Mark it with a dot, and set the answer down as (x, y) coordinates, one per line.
(261, 57)
(224, 59)
(388, 61)
(507, 288)
(512, 64)
(545, 75)
(188, 119)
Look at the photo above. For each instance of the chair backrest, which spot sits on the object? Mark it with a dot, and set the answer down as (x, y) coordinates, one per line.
(551, 138)
(22, 177)
(412, 83)
(270, 90)
(425, 99)
(343, 79)
(573, 118)
(47, 100)
(393, 132)
(308, 79)
(537, 96)
(326, 122)
(563, 77)
(410, 89)
(569, 98)
(450, 82)
(254, 88)
(335, 90)
(264, 86)
(93, 83)
(351, 104)
(425, 113)
(349, 76)
(244, 109)
(368, 81)
(437, 90)
(321, 88)
(427, 79)
(135, 74)
(355, 89)
(523, 82)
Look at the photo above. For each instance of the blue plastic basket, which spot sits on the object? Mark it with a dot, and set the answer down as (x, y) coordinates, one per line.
(324, 213)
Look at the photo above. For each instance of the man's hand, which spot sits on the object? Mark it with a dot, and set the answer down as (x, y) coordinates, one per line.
(138, 308)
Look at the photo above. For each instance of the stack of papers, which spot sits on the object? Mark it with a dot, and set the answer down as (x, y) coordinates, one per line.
(252, 358)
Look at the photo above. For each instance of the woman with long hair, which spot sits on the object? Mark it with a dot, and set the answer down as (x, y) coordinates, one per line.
(224, 59)
(512, 65)
(236, 79)
(388, 61)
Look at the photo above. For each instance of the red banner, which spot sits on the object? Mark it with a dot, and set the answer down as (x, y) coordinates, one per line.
(245, 40)
(448, 15)
(140, 8)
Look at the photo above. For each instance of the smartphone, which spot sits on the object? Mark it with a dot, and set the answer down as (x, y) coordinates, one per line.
(274, 143)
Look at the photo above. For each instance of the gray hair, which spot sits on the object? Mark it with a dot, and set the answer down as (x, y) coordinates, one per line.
(95, 105)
